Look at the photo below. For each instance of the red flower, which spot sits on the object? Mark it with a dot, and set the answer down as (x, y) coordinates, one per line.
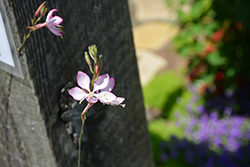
(217, 35)
(220, 76)
(239, 25)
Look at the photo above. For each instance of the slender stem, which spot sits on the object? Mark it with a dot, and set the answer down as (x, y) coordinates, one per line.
(28, 35)
(80, 141)
(83, 116)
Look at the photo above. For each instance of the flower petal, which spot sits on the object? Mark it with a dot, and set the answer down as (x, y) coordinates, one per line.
(106, 97)
(50, 15)
(110, 86)
(101, 82)
(55, 31)
(83, 80)
(109, 98)
(118, 101)
(55, 21)
(77, 93)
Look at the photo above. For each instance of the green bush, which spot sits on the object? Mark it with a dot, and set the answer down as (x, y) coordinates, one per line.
(214, 38)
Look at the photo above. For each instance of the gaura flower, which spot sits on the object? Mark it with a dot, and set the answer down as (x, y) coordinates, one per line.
(102, 88)
(52, 22)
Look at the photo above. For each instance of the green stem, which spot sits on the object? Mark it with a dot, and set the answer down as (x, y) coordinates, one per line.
(80, 141)
(83, 116)
(28, 35)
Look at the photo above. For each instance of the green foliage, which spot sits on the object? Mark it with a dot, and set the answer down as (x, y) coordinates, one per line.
(157, 92)
(214, 59)
(167, 93)
(214, 34)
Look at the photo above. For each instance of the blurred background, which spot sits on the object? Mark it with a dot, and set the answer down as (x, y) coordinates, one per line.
(193, 58)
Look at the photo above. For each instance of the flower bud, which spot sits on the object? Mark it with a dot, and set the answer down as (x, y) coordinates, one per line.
(93, 52)
(43, 11)
(89, 62)
(39, 8)
(100, 60)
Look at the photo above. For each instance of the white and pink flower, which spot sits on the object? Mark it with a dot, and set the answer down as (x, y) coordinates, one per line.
(52, 22)
(101, 90)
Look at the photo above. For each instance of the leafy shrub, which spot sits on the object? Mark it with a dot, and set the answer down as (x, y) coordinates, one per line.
(214, 37)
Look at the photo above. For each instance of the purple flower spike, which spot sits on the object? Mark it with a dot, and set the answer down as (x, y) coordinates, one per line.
(101, 90)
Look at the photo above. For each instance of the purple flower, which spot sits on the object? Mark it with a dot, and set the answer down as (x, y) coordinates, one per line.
(101, 91)
(163, 145)
(201, 109)
(164, 157)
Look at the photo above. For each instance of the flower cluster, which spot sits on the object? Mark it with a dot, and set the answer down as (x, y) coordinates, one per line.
(228, 133)
(185, 153)
(217, 122)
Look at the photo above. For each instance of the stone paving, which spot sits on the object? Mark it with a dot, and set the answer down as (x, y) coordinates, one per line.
(153, 30)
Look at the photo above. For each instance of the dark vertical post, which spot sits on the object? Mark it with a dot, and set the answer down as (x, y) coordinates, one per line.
(114, 136)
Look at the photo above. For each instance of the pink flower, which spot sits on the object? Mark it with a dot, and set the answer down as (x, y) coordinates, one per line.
(101, 91)
(52, 22)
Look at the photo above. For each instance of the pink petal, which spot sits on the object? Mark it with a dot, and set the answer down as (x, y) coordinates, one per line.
(110, 86)
(83, 80)
(55, 31)
(50, 15)
(101, 82)
(117, 101)
(55, 21)
(77, 93)
(106, 97)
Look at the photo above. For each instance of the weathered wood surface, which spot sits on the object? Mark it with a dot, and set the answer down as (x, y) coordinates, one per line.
(32, 129)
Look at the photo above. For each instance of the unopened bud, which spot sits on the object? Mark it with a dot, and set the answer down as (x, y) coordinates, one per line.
(32, 21)
(43, 11)
(93, 52)
(89, 62)
(33, 28)
(100, 60)
(39, 8)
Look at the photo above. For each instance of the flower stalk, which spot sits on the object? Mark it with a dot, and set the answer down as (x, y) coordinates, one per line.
(52, 22)
(83, 117)
(98, 88)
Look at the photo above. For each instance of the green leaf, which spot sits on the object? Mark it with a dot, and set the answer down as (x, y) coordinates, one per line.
(183, 17)
(199, 8)
(209, 78)
(215, 59)
(230, 72)
(185, 51)
(184, 1)
(196, 28)
(198, 47)
(211, 27)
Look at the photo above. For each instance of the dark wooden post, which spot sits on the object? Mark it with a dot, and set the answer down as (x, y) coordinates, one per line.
(114, 136)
